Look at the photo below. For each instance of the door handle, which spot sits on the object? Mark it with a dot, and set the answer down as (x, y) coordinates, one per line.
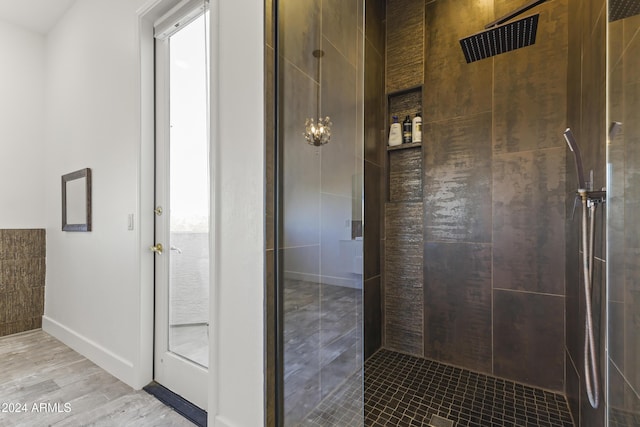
(157, 248)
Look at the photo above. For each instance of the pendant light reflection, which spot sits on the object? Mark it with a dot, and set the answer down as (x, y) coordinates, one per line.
(318, 133)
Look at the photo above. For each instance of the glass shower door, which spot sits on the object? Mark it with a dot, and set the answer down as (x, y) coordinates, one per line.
(623, 220)
(321, 217)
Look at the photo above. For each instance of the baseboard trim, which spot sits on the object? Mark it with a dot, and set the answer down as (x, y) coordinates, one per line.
(104, 358)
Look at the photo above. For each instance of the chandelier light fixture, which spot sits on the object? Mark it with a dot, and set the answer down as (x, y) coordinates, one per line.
(318, 133)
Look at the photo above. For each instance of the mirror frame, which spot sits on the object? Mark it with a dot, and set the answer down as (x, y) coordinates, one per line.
(80, 174)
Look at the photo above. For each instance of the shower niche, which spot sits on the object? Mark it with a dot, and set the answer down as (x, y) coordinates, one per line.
(404, 162)
(402, 103)
(403, 219)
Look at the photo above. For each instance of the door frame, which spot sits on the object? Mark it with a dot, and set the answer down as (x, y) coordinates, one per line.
(236, 362)
(147, 15)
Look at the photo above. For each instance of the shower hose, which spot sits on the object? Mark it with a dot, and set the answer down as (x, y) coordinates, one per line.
(590, 362)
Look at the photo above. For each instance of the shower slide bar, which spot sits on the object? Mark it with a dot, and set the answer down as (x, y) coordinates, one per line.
(590, 201)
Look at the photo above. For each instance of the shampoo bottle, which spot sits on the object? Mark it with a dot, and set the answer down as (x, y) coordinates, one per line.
(406, 130)
(416, 128)
(395, 134)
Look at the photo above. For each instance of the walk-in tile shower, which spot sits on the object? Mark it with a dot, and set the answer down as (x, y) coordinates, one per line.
(441, 282)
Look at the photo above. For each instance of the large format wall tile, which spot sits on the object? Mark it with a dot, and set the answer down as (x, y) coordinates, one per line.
(632, 163)
(631, 46)
(301, 168)
(374, 179)
(339, 101)
(22, 280)
(299, 33)
(624, 401)
(594, 120)
(458, 304)
(585, 117)
(340, 26)
(528, 225)
(528, 344)
(374, 11)
(373, 216)
(457, 180)
(373, 104)
(631, 317)
(574, 321)
(531, 87)
(475, 116)
(372, 314)
(452, 87)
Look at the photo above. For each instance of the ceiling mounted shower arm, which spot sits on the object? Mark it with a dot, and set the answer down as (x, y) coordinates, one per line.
(513, 14)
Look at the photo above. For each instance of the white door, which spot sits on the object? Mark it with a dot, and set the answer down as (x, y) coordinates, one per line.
(182, 203)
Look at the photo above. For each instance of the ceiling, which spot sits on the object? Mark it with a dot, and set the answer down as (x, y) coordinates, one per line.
(35, 15)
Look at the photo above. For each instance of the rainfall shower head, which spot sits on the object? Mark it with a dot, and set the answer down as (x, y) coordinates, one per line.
(573, 146)
(501, 37)
(620, 9)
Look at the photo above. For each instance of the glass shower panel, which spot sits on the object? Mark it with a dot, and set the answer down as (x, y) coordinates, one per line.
(320, 74)
(623, 220)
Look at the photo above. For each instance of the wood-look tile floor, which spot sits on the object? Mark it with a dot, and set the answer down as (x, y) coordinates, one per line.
(45, 383)
(322, 343)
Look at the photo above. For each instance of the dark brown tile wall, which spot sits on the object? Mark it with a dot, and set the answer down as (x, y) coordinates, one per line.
(586, 91)
(452, 87)
(493, 194)
(22, 279)
(403, 291)
(528, 221)
(374, 173)
(404, 44)
(458, 318)
(624, 223)
(529, 196)
(526, 333)
(405, 175)
(457, 179)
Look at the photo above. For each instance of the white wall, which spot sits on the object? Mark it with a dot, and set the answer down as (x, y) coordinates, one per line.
(95, 297)
(21, 124)
(237, 397)
(93, 291)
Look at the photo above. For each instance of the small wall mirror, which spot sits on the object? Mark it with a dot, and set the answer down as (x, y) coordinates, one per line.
(76, 201)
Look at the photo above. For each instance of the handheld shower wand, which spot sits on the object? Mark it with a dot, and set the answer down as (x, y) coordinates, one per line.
(590, 200)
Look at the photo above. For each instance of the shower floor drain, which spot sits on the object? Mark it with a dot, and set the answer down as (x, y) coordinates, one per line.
(437, 421)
